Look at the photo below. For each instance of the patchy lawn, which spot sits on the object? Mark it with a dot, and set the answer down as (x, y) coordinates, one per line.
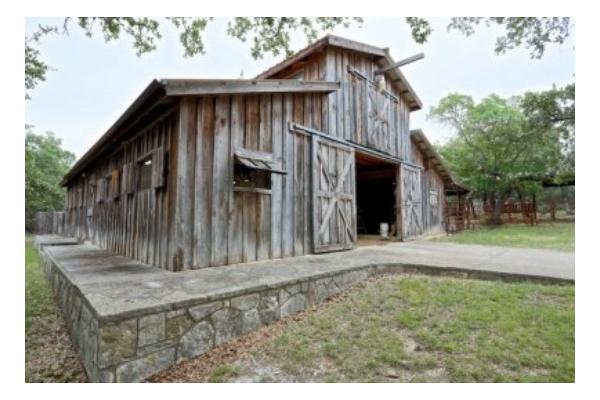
(408, 329)
(558, 236)
(49, 354)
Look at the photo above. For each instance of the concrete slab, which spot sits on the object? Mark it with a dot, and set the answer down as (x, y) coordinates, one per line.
(129, 320)
(53, 240)
(117, 286)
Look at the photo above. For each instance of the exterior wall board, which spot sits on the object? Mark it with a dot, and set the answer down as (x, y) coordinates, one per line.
(192, 216)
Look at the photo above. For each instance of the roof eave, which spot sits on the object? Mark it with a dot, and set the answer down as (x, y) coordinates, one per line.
(415, 102)
(104, 140)
(202, 87)
(442, 167)
(331, 40)
(193, 87)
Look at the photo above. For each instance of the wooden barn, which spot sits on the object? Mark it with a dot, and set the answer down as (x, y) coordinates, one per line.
(305, 158)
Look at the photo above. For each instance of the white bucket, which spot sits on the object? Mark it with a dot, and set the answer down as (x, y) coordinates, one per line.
(384, 229)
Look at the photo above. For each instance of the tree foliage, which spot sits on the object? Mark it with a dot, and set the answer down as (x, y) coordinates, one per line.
(532, 33)
(268, 34)
(46, 162)
(554, 109)
(502, 146)
(271, 35)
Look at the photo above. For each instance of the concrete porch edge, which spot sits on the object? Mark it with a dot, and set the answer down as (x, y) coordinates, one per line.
(129, 320)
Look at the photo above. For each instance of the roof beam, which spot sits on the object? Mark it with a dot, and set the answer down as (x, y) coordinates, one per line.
(355, 46)
(400, 63)
(187, 87)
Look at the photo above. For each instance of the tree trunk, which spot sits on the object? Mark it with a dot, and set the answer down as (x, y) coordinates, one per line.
(497, 203)
(534, 202)
(473, 209)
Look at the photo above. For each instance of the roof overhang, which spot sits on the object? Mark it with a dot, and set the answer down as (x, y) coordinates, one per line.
(153, 92)
(425, 146)
(382, 55)
(164, 91)
(203, 87)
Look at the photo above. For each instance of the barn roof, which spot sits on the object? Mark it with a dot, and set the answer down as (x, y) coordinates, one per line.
(382, 55)
(160, 94)
(450, 182)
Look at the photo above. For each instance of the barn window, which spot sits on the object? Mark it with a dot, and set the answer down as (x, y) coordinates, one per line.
(145, 174)
(244, 177)
(253, 170)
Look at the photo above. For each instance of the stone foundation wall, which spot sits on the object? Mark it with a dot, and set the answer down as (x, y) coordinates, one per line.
(78, 315)
(132, 349)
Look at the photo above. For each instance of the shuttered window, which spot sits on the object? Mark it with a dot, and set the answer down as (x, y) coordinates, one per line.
(115, 188)
(128, 179)
(158, 167)
(244, 177)
(258, 161)
(145, 174)
(100, 190)
(253, 170)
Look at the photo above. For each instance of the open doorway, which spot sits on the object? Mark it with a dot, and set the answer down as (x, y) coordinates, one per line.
(375, 197)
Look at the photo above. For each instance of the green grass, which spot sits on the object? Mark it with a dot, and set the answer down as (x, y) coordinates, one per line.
(222, 373)
(558, 236)
(49, 354)
(38, 296)
(434, 329)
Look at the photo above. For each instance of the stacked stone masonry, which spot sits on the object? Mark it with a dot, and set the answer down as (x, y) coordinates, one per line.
(133, 349)
(143, 336)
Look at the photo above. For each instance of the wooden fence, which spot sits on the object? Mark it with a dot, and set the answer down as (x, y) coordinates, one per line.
(49, 222)
(527, 210)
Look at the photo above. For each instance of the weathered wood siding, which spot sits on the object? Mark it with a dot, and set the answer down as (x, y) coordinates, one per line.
(432, 191)
(192, 216)
(350, 113)
(106, 207)
(217, 224)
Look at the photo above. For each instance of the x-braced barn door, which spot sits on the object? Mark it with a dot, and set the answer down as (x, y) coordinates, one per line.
(379, 130)
(334, 204)
(411, 201)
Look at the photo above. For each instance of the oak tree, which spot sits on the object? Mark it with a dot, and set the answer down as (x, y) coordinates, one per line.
(501, 146)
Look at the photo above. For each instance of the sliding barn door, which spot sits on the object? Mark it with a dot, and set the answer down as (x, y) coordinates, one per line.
(411, 201)
(334, 203)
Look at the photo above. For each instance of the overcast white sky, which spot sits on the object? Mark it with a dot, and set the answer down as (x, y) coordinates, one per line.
(93, 81)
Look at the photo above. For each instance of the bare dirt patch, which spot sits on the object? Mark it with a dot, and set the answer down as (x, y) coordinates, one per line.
(49, 353)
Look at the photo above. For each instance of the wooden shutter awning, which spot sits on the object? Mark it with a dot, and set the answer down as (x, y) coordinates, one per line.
(260, 161)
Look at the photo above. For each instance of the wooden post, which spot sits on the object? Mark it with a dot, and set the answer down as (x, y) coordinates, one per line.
(534, 211)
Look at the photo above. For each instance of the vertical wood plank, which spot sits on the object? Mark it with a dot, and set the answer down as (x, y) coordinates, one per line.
(298, 180)
(264, 128)
(288, 181)
(339, 76)
(184, 210)
(263, 226)
(250, 237)
(204, 177)
(276, 179)
(323, 102)
(221, 181)
(307, 204)
(235, 231)
(252, 119)
(332, 97)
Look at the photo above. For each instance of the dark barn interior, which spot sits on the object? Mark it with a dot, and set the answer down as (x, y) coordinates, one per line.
(375, 194)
